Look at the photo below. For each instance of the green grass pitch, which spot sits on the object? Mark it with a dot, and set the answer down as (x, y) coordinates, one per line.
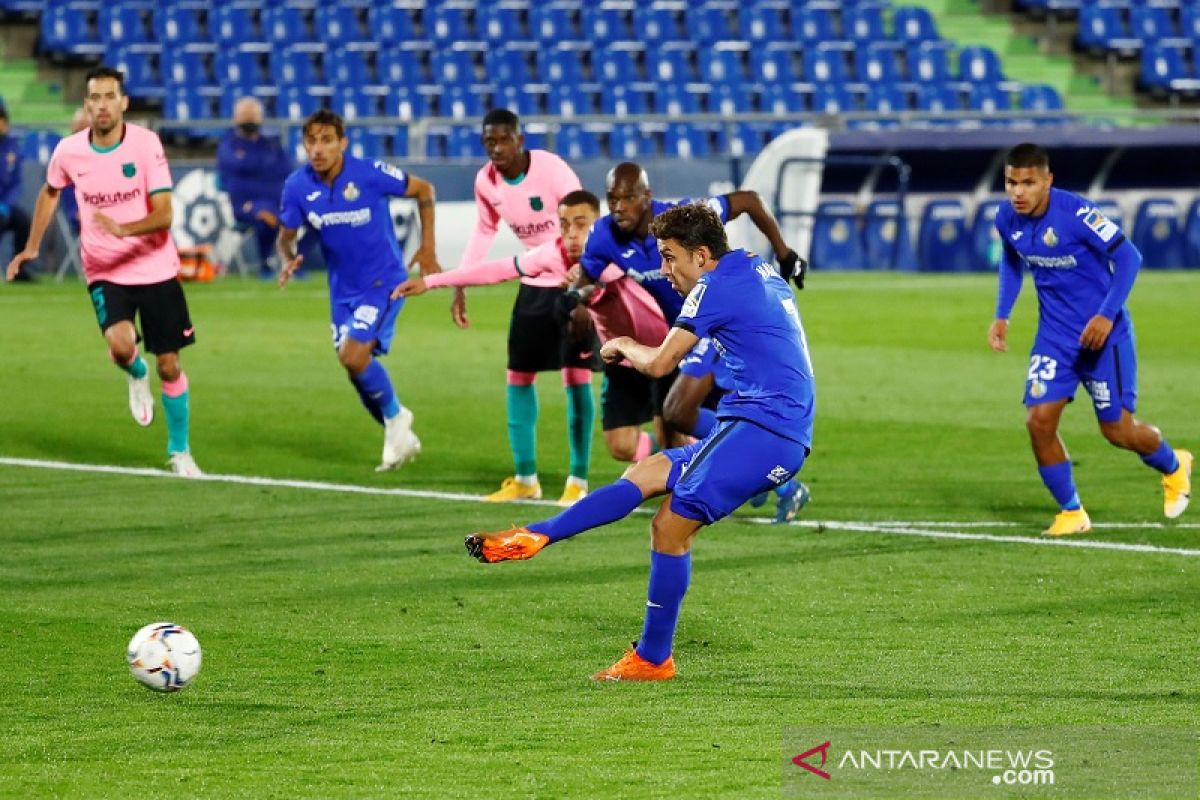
(352, 649)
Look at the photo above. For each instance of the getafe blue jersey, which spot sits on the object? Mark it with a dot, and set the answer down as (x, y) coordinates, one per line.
(750, 314)
(703, 359)
(1069, 250)
(638, 256)
(353, 222)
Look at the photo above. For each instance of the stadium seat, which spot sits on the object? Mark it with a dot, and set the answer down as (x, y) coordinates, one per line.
(885, 98)
(184, 66)
(730, 100)
(575, 142)
(929, 62)
(448, 23)
(628, 141)
(1162, 66)
(886, 240)
(453, 67)
(836, 243)
(674, 99)
(407, 103)
(184, 103)
(518, 100)
(722, 63)
(297, 102)
(876, 63)
(658, 22)
(233, 23)
(338, 24)
(398, 144)
(914, 25)
(353, 103)
(139, 63)
(568, 100)
(124, 23)
(390, 24)
(501, 23)
(1191, 236)
(346, 66)
(606, 22)
(671, 64)
(285, 25)
(367, 142)
(179, 24)
(682, 140)
(824, 65)
(464, 143)
(621, 100)
(71, 30)
(560, 65)
(510, 64)
(1039, 97)
(1157, 235)
(813, 24)
(783, 99)
(864, 23)
(936, 98)
(713, 21)
(833, 98)
(296, 66)
(617, 63)
(745, 139)
(1150, 23)
(38, 145)
(554, 22)
(764, 21)
(462, 103)
(774, 62)
(979, 65)
(942, 244)
(988, 98)
(1102, 28)
(985, 241)
(398, 67)
(1189, 21)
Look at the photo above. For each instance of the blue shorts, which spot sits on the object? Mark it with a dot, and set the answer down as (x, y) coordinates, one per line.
(1109, 375)
(369, 317)
(711, 478)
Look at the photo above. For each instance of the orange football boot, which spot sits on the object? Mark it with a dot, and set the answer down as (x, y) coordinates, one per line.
(514, 544)
(633, 667)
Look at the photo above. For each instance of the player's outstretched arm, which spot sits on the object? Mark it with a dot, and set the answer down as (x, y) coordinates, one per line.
(159, 218)
(43, 211)
(285, 245)
(748, 202)
(652, 361)
(426, 255)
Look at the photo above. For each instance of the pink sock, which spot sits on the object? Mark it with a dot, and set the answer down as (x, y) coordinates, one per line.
(176, 387)
(644, 446)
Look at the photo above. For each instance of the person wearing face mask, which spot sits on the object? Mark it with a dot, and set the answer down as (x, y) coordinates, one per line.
(12, 217)
(252, 167)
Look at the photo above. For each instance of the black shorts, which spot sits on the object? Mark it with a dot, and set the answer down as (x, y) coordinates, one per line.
(630, 398)
(538, 341)
(165, 324)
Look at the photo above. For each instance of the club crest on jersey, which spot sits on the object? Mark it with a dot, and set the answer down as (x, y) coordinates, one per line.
(1050, 238)
(129, 170)
(1037, 389)
(350, 192)
(536, 203)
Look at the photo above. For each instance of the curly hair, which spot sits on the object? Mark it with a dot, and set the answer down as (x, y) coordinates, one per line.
(692, 225)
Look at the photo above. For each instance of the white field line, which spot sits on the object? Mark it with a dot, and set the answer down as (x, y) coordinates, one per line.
(890, 528)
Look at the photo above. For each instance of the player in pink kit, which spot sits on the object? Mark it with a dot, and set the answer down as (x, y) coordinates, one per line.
(524, 188)
(123, 187)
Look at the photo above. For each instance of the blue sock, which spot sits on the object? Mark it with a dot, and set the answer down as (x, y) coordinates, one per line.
(786, 489)
(669, 577)
(606, 504)
(706, 420)
(1163, 459)
(1061, 483)
(374, 388)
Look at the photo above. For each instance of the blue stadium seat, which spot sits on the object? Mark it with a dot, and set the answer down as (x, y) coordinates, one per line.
(607, 22)
(1150, 23)
(338, 24)
(887, 244)
(295, 66)
(836, 242)
(833, 99)
(929, 62)
(746, 138)
(657, 22)
(186, 103)
(293, 144)
(885, 98)
(864, 22)
(764, 21)
(406, 102)
(774, 62)
(400, 68)
(369, 142)
(713, 21)
(942, 244)
(38, 145)
(814, 24)
(124, 23)
(239, 66)
(234, 23)
(876, 63)
(722, 63)
(180, 66)
(139, 64)
(560, 65)
(398, 145)
(783, 99)
(448, 23)
(461, 103)
(353, 103)
(345, 66)
(938, 97)
(297, 102)
(1156, 233)
(508, 64)
(517, 99)
(671, 63)
(979, 65)
(179, 24)
(575, 142)
(1189, 21)
(628, 141)
(674, 99)
(501, 23)
(617, 63)
(284, 25)
(71, 30)
(914, 25)
(621, 100)
(453, 66)
(1102, 27)
(682, 140)
(464, 143)
(730, 100)
(390, 24)
(1162, 65)
(824, 65)
(985, 241)
(569, 100)
(551, 23)
(1040, 97)
(988, 97)
(1191, 235)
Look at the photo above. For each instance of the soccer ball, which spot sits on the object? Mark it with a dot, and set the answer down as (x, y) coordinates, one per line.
(164, 656)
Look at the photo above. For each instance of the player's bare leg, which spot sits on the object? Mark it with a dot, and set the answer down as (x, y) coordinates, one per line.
(1130, 433)
(123, 350)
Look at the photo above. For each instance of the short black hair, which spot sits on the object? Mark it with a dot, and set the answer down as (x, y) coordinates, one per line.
(324, 116)
(579, 197)
(103, 71)
(1028, 155)
(502, 116)
(692, 225)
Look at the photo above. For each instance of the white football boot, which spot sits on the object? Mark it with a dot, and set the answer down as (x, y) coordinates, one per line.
(183, 465)
(400, 444)
(141, 401)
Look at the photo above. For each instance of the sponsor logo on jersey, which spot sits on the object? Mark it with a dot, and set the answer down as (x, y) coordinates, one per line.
(692, 304)
(355, 219)
(1052, 262)
(106, 199)
(1050, 238)
(534, 228)
(643, 277)
(350, 192)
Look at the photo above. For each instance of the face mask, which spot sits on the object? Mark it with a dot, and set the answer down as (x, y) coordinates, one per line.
(248, 128)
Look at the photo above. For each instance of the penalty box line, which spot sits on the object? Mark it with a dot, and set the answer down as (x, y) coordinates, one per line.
(924, 529)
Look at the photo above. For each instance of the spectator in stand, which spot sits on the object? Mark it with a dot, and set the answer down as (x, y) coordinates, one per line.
(12, 216)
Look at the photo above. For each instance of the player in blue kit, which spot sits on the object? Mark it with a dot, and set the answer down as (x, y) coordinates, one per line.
(692, 405)
(1084, 269)
(344, 201)
(762, 438)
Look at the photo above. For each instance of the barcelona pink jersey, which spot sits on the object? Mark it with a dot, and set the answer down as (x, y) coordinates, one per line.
(624, 308)
(117, 181)
(529, 206)
(547, 259)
